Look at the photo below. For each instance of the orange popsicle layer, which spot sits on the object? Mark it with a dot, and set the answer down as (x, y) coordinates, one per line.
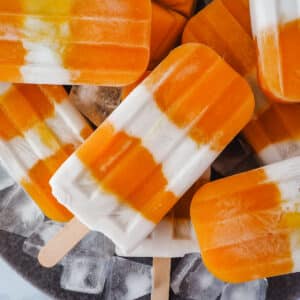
(278, 123)
(144, 181)
(167, 27)
(37, 185)
(279, 62)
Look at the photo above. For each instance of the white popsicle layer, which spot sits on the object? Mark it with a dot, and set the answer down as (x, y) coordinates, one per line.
(268, 14)
(279, 151)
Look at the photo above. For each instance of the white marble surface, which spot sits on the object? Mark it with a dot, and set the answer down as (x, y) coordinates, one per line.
(14, 287)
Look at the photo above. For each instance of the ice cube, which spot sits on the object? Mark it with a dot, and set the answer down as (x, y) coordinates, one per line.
(253, 290)
(40, 237)
(18, 213)
(96, 245)
(5, 180)
(85, 267)
(96, 102)
(237, 157)
(6, 197)
(84, 274)
(127, 280)
(185, 265)
(190, 279)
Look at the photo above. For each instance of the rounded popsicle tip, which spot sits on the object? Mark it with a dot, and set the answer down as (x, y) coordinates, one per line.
(62, 243)
(213, 252)
(116, 43)
(46, 259)
(245, 223)
(273, 93)
(205, 27)
(276, 30)
(167, 27)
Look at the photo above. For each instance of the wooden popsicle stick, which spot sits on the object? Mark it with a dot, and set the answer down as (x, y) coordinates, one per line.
(61, 244)
(161, 278)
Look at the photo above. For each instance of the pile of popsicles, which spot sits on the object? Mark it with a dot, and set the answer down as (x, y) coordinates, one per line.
(134, 178)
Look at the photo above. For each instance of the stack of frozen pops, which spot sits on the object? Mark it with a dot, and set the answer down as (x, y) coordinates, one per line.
(141, 177)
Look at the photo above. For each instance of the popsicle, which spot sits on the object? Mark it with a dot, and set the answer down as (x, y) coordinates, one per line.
(166, 30)
(174, 235)
(275, 26)
(248, 225)
(224, 25)
(103, 42)
(152, 148)
(274, 132)
(185, 7)
(39, 129)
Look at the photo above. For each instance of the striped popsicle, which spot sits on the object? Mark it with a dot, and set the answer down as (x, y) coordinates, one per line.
(274, 133)
(39, 129)
(125, 178)
(103, 42)
(276, 29)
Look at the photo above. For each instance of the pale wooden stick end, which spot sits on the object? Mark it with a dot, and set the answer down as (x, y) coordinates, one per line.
(161, 278)
(59, 246)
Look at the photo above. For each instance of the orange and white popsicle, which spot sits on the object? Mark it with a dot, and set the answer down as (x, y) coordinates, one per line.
(274, 131)
(128, 175)
(224, 25)
(103, 42)
(39, 129)
(275, 25)
(248, 225)
(174, 236)
(166, 30)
